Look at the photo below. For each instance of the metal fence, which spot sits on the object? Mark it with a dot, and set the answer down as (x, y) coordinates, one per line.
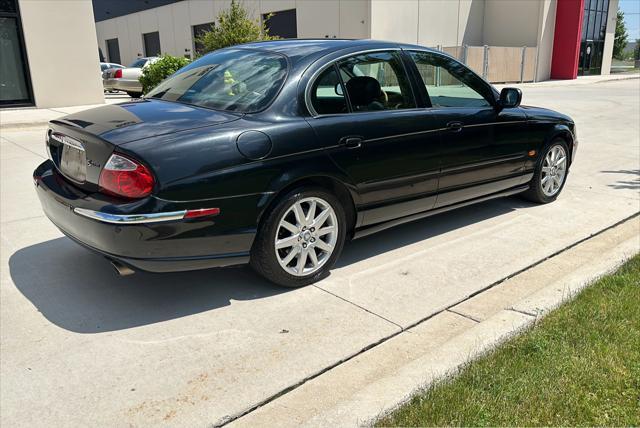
(497, 64)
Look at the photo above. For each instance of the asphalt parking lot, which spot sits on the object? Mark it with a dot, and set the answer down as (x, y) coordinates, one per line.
(82, 346)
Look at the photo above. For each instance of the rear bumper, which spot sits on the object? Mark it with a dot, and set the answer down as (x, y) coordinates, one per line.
(127, 85)
(109, 84)
(131, 234)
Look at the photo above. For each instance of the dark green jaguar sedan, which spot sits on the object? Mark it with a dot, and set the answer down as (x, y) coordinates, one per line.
(276, 153)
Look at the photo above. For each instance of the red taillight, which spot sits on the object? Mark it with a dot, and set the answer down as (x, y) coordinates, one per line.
(125, 177)
(204, 212)
(118, 74)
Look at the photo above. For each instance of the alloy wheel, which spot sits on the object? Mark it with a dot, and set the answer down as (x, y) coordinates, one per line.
(554, 170)
(306, 236)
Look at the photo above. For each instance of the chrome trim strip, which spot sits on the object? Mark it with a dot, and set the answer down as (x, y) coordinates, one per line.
(67, 140)
(368, 230)
(218, 197)
(409, 134)
(130, 218)
(513, 122)
(473, 165)
(429, 131)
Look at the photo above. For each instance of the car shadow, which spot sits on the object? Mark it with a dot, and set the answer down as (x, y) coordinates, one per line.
(633, 184)
(79, 291)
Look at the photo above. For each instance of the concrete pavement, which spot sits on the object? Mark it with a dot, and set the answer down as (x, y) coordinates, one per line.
(81, 346)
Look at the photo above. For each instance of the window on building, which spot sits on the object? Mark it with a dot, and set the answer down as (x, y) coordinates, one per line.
(376, 81)
(151, 44)
(113, 51)
(197, 31)
(15, 85)
(282, 24)
(448, 82)
(327, 93)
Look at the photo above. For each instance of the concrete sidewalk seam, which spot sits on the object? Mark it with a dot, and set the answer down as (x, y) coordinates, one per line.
(268, 400)
(360, 307)
(23, 148)
(463, 315)
(523, 312)
(15, 220)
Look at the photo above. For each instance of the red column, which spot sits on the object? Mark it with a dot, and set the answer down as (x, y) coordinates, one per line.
(566, 39)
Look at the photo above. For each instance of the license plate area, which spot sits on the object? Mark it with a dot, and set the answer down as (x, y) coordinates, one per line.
(73, 163)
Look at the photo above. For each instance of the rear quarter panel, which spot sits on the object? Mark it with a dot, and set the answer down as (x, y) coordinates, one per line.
(205, 163)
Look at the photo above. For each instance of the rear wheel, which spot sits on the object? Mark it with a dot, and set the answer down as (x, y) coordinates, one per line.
(134, 94)
(300, 238)
(550, 174)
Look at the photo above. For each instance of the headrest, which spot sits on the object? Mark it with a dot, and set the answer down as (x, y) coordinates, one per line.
(363, 90)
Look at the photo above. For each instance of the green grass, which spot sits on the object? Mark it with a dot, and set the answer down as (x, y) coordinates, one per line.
(579, 366)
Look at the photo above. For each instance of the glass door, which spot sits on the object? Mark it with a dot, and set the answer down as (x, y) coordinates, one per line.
(15, 85)
(594, 26)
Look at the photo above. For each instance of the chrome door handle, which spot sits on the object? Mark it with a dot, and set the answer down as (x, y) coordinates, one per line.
(351, 142)
(455, 126)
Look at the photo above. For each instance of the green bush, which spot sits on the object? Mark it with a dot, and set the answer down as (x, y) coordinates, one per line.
(155, 73)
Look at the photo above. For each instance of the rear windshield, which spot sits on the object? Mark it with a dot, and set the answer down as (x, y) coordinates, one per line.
(237, 80)
(138, 63)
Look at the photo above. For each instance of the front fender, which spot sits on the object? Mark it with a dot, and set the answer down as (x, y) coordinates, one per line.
(565, 131)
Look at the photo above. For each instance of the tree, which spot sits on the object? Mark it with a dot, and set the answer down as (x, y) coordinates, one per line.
(234, 26)
(155, 73)
(620, 41)
(636, 53)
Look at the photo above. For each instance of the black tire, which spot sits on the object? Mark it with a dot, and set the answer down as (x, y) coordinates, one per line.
(535, 192)
(263, 253)
(134, 94)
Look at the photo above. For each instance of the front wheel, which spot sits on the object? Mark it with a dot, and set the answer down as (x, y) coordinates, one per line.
(134, 94)
(300, 238)
(550, 174)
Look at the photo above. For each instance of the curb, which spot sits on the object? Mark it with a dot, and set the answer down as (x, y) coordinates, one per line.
(377, 381)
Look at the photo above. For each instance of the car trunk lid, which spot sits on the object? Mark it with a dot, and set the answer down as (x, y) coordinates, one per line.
(80, 144)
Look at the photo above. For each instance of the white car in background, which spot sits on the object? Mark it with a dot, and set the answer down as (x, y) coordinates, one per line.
(126, 79)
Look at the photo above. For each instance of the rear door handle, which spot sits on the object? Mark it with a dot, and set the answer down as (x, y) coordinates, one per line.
(455, 126)
(351, 142)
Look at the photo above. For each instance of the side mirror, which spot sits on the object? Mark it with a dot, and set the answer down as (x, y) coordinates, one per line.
(510, 97)
(338, 89)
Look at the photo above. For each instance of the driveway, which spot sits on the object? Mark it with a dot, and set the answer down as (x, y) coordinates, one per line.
(82, 346)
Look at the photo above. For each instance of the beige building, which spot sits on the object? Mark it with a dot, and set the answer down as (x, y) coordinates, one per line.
(49, 54)
(460, 27)
(49, 48)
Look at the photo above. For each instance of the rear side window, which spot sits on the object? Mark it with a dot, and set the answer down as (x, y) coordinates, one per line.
(327, 93)
(449, 83)
(376, 81)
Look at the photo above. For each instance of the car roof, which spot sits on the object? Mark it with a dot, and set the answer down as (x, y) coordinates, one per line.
(298, 49)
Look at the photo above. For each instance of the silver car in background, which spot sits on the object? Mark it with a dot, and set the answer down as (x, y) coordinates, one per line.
(126, 79)
(104, 66)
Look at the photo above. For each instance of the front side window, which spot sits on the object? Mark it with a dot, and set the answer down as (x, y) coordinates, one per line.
(376, 81)
(449, 83)
(236, 80)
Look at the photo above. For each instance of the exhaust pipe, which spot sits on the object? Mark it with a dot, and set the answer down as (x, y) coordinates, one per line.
(122, 269)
